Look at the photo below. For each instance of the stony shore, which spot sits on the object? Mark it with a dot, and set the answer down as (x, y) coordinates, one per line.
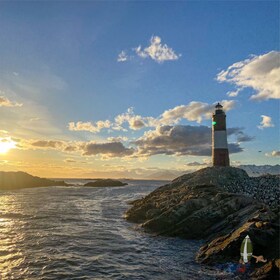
(220, 205)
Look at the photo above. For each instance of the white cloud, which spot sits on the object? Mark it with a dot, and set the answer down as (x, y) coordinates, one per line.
(89, 126)
(266, 122)
(5, 102)
(194, 111)
(117, 139)
(234, 93)
(135, 122)
(261, 73)
(157, 51)
(179, 140)
(122, 57)
(273, 154)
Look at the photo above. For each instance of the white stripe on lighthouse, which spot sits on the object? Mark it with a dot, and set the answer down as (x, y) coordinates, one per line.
(220, 139)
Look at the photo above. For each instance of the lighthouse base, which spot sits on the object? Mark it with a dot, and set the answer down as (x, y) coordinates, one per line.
(220, 157)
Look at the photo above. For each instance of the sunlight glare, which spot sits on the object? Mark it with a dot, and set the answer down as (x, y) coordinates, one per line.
(6, 144)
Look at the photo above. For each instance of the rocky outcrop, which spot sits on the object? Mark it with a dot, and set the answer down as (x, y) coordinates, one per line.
(19, 180)
(105, 183)
(218, 205)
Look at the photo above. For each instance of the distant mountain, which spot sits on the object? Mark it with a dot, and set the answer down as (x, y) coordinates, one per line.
(19, 180)
(258, 170)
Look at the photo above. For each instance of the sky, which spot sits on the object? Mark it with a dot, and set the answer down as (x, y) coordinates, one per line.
(126, 89)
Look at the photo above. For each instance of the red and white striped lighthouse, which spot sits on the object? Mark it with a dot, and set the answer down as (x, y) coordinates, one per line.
(220, 154)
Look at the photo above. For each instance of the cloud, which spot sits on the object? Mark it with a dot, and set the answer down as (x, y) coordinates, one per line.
(69, 160)
(108, 149)
(89, 126)
(135, 122)
(117, 139)
(194, 111)
(156, 51)
(176, 140)
(179, 140)
(266, 122)
(234, 93)
(5, 102)
(240, 135)
(122, 57)
(273, 154)
(112, 149)
(261, 73)
(47, 144)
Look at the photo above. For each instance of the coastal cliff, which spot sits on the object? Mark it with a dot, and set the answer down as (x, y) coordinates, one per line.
(220, 205)
(19, 180)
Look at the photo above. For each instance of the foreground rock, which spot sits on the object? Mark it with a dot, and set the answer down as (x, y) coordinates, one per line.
(211, 204)
(19, 180)
(105, 183)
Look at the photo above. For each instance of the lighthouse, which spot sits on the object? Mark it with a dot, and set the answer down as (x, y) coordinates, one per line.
(220, 156)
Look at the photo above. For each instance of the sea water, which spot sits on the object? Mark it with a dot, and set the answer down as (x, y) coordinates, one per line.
(80, 233)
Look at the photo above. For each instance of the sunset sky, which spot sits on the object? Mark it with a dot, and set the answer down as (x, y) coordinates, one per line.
(127, 88)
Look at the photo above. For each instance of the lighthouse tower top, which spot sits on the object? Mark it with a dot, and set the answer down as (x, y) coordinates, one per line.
(219, 109)
(218, 105)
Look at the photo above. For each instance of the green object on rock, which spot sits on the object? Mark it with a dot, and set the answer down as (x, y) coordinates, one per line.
(246, 250)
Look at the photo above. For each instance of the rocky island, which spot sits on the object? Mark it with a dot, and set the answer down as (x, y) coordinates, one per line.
(19, 180)
(220, 205)
(105, 183)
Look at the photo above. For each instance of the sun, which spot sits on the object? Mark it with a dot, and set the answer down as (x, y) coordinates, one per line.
(6, 144)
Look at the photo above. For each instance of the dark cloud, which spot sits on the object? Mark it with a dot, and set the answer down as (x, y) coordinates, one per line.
(244, 138)
(234, 148)
(240, 135)
(137, 124)
(47, 144)
(180, 140)
(70, 148)
(112, 149)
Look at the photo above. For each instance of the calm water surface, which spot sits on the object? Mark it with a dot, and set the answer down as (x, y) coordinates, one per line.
(80, 233)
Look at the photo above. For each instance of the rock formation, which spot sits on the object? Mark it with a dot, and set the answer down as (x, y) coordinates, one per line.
(220, 205)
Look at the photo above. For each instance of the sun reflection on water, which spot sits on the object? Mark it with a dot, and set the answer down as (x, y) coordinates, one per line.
(11, 236)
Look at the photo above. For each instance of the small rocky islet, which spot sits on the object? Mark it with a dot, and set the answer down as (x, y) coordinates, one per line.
(219, 205)
(105, 183)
